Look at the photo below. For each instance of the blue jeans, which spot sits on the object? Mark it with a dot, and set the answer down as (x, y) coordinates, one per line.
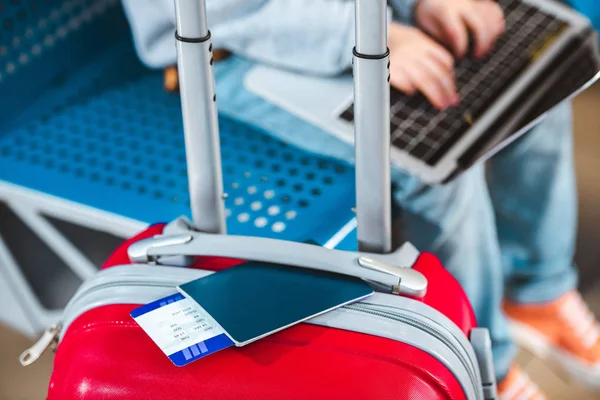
(504, 230)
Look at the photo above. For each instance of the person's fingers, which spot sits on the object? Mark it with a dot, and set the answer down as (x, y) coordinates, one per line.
(441, 55)
(427, 19)
(482, 34)
(427, 84)
(493, 16)
(454, 32)
(497, 15)
(400, 80)
(443, 78)
(430, 26)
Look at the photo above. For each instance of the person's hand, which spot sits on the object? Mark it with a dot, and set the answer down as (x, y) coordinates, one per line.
(418, 63)
(450, 22)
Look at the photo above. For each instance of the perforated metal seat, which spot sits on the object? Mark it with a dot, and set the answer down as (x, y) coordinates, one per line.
(81, 120)
(113, 140)
(122, 151)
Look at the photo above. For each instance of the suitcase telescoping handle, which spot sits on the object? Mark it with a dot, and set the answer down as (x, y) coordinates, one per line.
(371, 124)
(200, 123)
(372, 127)
(374, 262)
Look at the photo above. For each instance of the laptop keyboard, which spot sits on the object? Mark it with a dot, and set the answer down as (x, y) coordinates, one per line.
(426, 133)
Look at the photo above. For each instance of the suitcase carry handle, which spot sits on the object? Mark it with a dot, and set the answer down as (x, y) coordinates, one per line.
(382, 270)
(371, 125)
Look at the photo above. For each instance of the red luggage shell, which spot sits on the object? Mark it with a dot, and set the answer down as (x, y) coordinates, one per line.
(105, 355)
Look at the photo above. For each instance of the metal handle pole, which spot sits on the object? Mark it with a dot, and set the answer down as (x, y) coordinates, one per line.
(200, 125)
(372, 127)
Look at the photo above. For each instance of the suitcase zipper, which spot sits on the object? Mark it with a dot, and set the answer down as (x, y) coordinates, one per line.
(48, 339)
(125, 283)
(98, 284)
(51, 335)
(429, 329)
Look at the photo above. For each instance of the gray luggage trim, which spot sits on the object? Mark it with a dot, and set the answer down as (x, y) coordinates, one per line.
(420, 325)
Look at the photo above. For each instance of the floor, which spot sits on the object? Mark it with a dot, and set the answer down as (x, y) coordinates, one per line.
(17, 383)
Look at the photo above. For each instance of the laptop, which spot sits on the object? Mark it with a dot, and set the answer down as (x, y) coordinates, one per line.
(548, 54)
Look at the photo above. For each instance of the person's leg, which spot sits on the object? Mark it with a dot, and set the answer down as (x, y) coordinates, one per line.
(532, 187)
(456, 223)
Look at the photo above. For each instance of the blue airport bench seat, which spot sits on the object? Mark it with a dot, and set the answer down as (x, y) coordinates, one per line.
(81, 119)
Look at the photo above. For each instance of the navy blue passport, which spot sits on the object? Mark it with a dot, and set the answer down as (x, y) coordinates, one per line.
(253, 300)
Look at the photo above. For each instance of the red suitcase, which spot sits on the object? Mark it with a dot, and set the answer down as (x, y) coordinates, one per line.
(105, 355)
(408, 346)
